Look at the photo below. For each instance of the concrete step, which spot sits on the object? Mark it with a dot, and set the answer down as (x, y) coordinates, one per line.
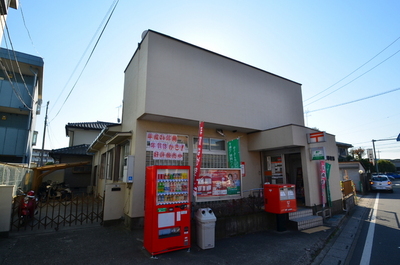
(306, 222)
(301, 212)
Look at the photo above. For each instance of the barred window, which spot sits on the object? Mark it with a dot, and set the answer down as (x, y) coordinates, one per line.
(212, 161)
(214, 152)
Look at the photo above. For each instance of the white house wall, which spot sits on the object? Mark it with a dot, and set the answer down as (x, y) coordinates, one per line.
(80, 137)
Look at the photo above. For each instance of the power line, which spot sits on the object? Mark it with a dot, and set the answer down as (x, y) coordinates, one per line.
(353, 101)
(29, 34)
(80, 60)
(17, 94)
(87, 61)
(12, 67)
(354, 70)
(355, 78)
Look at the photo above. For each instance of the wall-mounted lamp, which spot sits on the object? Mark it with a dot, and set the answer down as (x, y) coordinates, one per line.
(221, 132)
(4, 117)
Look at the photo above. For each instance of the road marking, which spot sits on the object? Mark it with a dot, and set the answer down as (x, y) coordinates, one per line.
(366, 256)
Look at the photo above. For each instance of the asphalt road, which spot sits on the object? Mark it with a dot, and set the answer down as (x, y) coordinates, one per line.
(378, 240)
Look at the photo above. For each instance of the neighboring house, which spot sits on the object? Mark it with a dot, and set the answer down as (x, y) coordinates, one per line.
(352, 171)
(84, 132)
(343, 151)
(21, 78)
(171, 85)
(37, 157)
(81, 134)
(78, 178)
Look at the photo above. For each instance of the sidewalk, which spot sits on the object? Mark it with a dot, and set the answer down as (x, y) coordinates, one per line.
(117, 245)
(338, 248)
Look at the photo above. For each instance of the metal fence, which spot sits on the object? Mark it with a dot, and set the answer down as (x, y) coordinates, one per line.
(53, 214)
(17, 176)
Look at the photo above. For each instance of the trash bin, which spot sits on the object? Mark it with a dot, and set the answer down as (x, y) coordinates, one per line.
(205, 222)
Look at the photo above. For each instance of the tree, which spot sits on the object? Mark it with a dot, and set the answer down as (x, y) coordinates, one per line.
(368, 166)
(386, 166)
(357, 153)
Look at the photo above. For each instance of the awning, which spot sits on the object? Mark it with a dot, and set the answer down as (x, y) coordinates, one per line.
(108, 137)
(119, 138)
(40, 172)
(288, 136)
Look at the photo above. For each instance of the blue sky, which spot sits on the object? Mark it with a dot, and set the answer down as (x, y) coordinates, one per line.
(315, 43)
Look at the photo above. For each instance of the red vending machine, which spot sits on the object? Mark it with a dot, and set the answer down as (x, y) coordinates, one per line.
(167, 209)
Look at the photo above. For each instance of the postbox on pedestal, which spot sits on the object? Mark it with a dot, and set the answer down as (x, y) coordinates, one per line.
(280, 198)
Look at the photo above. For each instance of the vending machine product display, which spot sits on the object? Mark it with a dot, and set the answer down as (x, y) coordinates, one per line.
(167, 209)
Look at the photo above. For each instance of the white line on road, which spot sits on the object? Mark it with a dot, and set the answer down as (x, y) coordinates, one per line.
(366, 256)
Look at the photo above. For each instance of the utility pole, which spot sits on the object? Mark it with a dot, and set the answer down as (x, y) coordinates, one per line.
(373, 145)
(44, 135)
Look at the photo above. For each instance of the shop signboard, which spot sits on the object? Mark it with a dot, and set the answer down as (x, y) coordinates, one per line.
(166, 146)
(218, 184)
(316, 137)
(317, 153)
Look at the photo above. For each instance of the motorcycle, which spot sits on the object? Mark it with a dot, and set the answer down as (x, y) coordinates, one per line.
(27, 206)
(59, 191)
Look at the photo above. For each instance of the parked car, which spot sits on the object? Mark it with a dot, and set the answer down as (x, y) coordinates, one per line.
(381, 182)
(393, 175)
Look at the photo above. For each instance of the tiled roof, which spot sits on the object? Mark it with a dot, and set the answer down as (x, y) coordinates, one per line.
(344, 144)
(98, 125)
(73, 150)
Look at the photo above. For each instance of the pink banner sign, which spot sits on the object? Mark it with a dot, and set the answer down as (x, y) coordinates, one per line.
(198, 157)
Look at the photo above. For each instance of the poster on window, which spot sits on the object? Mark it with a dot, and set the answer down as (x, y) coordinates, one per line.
(218, 184)
(165, 146)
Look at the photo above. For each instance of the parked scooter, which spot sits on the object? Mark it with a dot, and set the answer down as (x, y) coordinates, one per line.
(54, 190)
(27, 206)
(59, 191)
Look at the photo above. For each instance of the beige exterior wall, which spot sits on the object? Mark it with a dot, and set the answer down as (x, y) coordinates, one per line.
(253, 174)
(187, 82)
(293, 139)
(313, 176)
(170, 86)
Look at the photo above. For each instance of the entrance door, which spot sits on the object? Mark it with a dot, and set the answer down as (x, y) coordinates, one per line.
(295, 175)
(274, 169)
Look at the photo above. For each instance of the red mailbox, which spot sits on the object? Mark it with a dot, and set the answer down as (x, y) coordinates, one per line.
(280, 198)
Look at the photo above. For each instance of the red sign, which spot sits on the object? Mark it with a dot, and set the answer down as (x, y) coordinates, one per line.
(316, 137)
